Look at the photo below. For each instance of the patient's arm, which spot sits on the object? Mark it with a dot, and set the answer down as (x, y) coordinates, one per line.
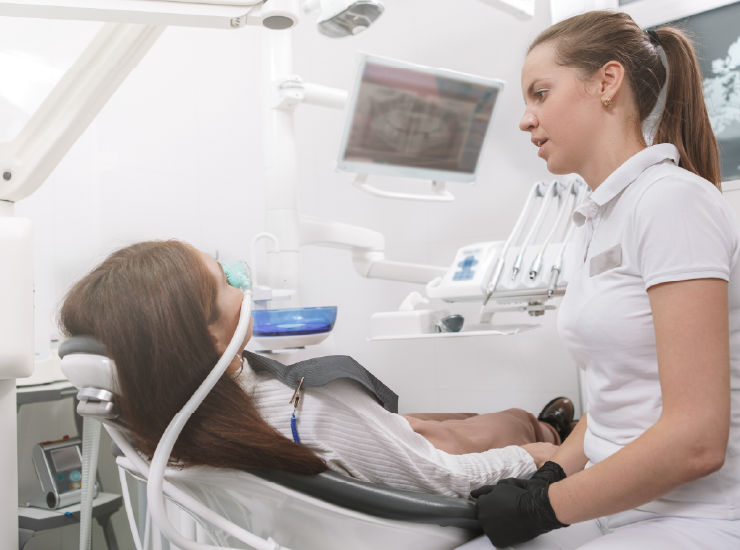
(460, 433)
(357, 436)
(347, 428)
(541, 452)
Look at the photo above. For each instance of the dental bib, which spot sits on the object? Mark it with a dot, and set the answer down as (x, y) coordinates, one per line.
(320, 371)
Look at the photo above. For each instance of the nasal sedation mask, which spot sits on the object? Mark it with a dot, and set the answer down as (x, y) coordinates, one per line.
(237, 274)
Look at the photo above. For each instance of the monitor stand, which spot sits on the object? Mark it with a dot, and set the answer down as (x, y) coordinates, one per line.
(438, 194)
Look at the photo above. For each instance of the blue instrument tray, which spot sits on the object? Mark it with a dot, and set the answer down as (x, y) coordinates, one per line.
(293, 321)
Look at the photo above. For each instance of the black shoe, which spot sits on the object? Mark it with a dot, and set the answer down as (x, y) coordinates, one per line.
(559, 414)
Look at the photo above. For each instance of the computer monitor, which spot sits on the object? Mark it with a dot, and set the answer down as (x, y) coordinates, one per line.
(415, 121)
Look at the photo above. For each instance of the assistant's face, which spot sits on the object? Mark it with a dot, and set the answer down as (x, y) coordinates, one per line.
(562, 111)
(228, 307)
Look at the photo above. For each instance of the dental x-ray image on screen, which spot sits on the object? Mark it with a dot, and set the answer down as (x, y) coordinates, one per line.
(415, 121)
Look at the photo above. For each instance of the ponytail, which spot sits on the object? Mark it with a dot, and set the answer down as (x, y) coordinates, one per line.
(685, 121)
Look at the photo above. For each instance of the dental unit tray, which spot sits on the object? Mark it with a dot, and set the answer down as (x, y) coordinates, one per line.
(292, 327)
(531, 265)
(520, 274)
(293, 321)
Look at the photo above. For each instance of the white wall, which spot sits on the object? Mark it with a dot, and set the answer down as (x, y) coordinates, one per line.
(177, 153)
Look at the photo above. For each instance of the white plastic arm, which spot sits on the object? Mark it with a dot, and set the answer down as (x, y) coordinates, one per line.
(373, 265)
(291, 91)
(70, 107)
(523, 9)
(367, 248)
(16, 294)
(324, 96)
(212, 14)
(341, 235)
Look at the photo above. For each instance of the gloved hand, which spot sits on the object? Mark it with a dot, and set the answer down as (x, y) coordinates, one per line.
(516, 510)
(549, 472)
(510, 514)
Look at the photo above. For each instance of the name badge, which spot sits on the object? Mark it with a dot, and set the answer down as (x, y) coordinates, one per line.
(609, 259)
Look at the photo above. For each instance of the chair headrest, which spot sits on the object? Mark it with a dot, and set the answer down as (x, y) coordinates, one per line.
(85, 364)
(82, 344)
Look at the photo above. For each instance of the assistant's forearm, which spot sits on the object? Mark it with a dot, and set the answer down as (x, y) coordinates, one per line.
(657, 462)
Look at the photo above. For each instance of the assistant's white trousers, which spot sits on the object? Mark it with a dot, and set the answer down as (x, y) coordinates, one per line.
(633, 530)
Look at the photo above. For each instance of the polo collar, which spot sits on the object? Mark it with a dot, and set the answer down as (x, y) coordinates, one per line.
(631, 169)
(618, 180)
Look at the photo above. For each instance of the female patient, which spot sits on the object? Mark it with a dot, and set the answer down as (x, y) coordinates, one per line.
(166, 313)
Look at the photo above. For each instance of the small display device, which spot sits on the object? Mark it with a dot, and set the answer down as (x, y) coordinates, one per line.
(58, 465)
(415, 121)
(468, 276)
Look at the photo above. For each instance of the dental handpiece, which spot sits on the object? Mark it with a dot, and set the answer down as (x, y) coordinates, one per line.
(524, 214)
(557, 267)
(548, 195)
(536, 266)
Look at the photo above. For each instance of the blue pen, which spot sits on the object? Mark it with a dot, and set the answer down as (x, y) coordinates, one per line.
(293, 417)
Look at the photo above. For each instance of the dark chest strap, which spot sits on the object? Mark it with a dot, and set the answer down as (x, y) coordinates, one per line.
(319, 371)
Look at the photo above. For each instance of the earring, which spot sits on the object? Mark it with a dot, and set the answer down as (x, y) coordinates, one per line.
(606, 102)
(241, 366)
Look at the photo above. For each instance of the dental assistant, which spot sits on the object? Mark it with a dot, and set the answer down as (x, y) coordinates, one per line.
(653, 314)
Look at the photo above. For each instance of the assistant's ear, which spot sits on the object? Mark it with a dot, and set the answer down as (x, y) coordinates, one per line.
(611, 81)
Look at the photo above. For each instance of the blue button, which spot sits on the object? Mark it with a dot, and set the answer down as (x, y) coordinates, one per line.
(469, 261)
(75, 475)
(60, 477)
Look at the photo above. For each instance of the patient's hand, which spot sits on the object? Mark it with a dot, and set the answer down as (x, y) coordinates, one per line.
(541, 452)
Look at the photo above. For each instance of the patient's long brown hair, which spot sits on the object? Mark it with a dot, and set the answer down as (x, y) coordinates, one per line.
(149, 304)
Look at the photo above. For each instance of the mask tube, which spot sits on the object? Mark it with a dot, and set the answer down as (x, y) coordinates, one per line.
(155, 496)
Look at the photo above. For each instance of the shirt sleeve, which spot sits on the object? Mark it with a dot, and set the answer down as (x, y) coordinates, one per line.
(683, 231)
(358, 437)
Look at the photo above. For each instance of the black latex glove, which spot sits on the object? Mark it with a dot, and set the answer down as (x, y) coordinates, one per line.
(517, 510)
(510, 514)
(549, 472)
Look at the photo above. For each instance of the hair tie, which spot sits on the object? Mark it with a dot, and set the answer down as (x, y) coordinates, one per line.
(653, 36)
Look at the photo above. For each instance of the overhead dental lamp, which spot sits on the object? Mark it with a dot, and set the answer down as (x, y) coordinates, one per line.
(338, 18)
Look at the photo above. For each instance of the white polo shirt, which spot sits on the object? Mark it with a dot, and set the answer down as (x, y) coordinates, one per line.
(649, 222)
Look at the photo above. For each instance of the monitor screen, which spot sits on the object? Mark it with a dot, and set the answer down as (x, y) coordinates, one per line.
(66, 458)
(414, 121)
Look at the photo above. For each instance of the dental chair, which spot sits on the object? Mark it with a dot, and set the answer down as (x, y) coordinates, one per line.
(266, 509)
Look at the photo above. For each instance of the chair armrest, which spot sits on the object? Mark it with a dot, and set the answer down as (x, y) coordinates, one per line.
(379, 500)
